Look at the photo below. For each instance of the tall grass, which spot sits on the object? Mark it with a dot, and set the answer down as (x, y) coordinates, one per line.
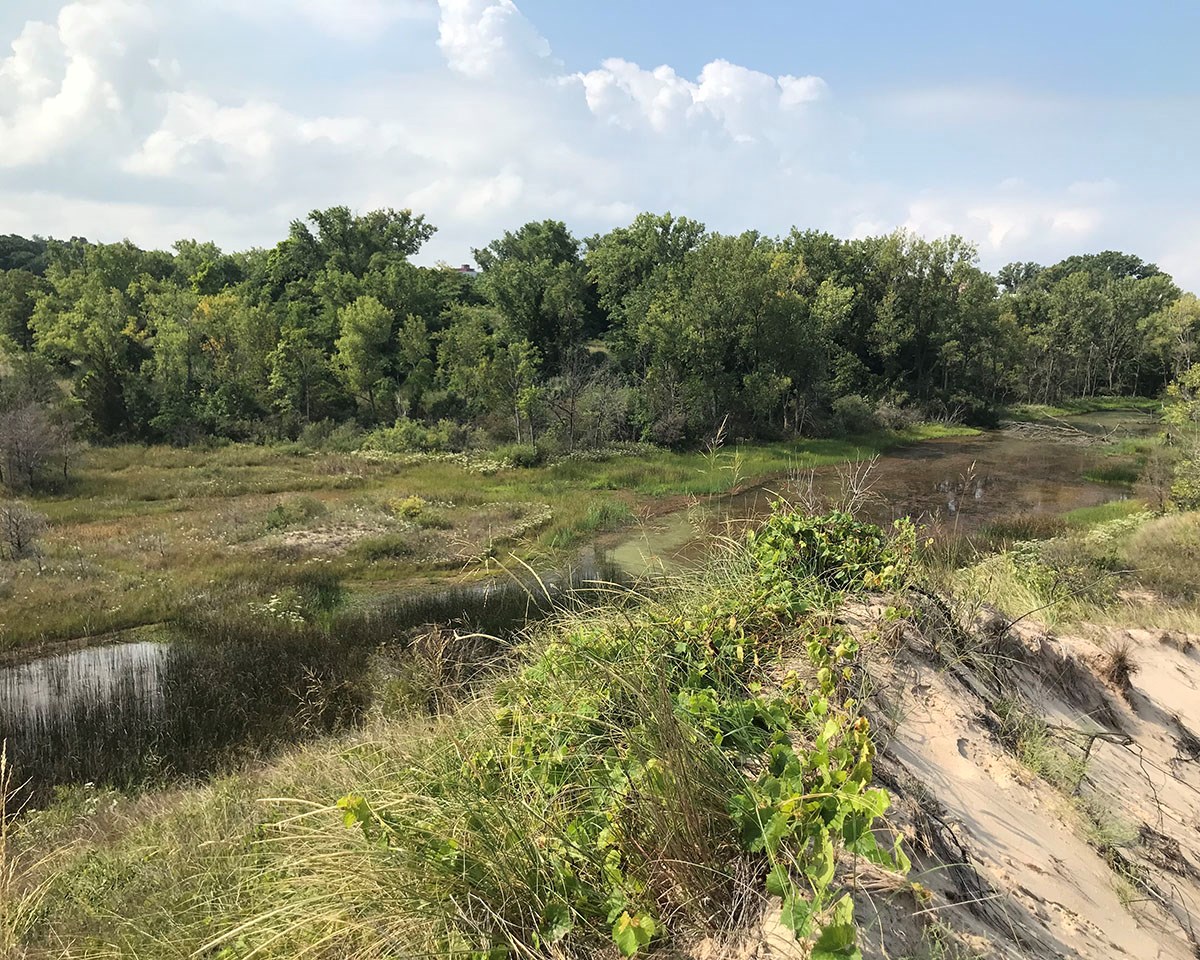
(233, 683)
(647, 775)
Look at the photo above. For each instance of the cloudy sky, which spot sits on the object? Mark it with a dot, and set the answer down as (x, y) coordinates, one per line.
(1035, 129)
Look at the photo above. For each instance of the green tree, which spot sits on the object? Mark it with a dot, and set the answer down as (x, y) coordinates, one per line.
(19, 290)
(537, 281)
(359, 360)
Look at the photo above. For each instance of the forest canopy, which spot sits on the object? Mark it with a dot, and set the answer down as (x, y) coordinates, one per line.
(660, 331)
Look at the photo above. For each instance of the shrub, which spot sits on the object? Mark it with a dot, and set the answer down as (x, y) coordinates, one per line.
(892, 416)
(389, 546)
(519, 454)
(20, 530)
(330, 437)
(408, 507)
(412, 436)
(293, 513)
(1185, 490)
(835, 551)
(853, 414)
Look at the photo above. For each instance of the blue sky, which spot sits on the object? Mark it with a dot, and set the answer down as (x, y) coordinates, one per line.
(1034, 130)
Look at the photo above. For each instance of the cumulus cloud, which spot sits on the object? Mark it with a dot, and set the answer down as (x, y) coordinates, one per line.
(90, 75)
(482, 38)
(1009, 222)
(199, 137)
(746, 103)
(112, 124)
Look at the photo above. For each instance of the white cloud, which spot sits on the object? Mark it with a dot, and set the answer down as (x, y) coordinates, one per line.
(480, 38)
(112, 124)
(90, 76)
(746, 103)
(200, 137)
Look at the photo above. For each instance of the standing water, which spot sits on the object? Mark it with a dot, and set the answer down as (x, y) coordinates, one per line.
(223, 686)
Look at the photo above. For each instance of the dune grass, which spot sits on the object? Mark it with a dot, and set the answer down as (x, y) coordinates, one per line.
(1116, 564)
(648, 777)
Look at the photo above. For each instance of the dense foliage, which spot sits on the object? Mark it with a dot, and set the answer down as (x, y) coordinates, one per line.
(653, 753)
(660, 330)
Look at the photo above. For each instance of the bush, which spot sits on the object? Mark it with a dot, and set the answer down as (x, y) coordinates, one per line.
(20, 530)
(328, 436)
(834, 551)
(1185, 490)
(408, 507)
(293, 513)
(412, 436)
(853, 414)
(519, 454)
(390, 546)
(891, 416)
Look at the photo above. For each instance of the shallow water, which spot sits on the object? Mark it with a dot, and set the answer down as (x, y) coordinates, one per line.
(56, 684)
(221, 688)
(955, 485)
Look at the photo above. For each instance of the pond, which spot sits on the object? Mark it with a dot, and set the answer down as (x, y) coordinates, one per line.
(222, 687)
(952, 486)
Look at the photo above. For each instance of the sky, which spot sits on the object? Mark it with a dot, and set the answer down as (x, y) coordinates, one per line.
(1035, 130)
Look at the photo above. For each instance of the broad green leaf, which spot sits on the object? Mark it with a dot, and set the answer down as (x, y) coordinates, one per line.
(631, 934)
(778, 881)
(797, 914)
(839, 937)
(556, 923)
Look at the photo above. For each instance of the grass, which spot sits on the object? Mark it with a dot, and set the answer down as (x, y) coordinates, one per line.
(642, 777)
(1031, 741)
(144, 531)
(1069, 408)
(1121, 474)
(1114, 564)
(1166, 555)
(1084, 518)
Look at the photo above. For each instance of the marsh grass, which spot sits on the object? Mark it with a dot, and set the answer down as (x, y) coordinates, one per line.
(1084, 518)
(239, 678)
(1120, 474)
(144, 531)
(1068, 408)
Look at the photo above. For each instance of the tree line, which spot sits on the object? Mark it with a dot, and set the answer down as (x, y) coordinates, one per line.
(658, 331)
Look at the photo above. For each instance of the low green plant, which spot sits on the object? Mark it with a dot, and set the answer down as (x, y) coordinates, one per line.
(834, 553)
(1119, 474)
(519, 454)
(634, 760)
(399, 545)
(1031, 740)
(413, 436)
(1005, 531)
(293, 513)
